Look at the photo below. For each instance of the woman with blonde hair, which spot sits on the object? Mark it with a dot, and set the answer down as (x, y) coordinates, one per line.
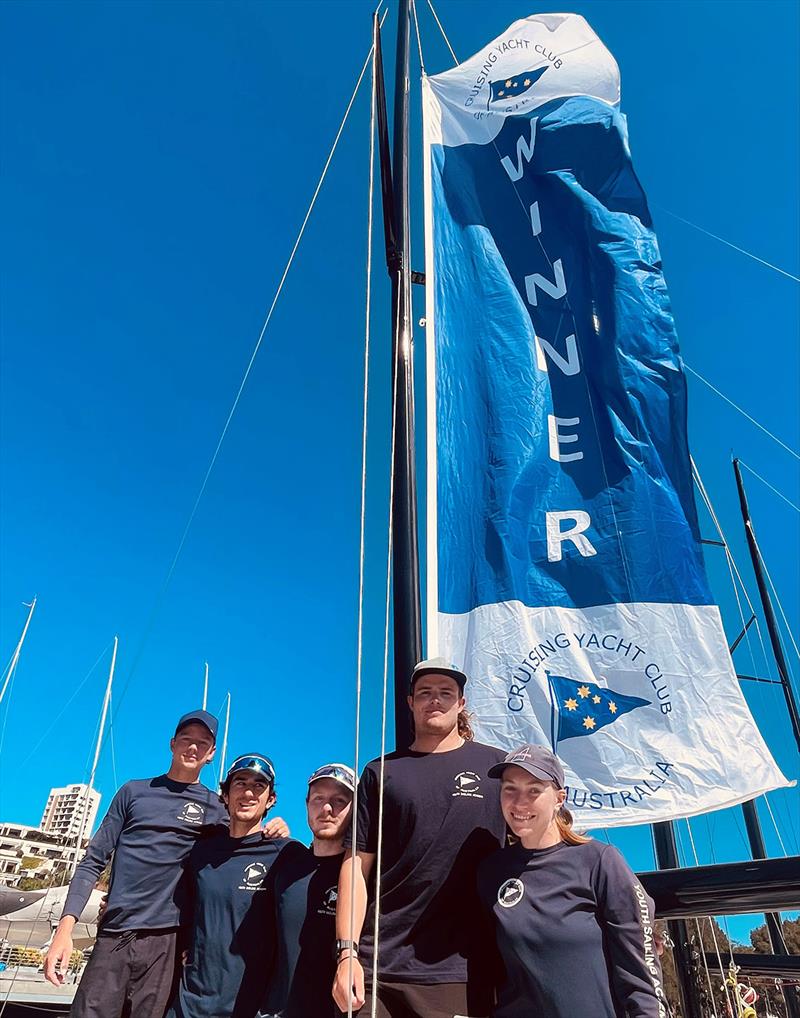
(573, 925)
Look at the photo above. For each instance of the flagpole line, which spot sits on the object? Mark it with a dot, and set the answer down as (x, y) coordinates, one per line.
(727, 243)
(771, 487)
(165, 584)
(743, 412)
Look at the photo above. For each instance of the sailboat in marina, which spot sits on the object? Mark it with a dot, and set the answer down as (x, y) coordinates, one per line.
(565, 561)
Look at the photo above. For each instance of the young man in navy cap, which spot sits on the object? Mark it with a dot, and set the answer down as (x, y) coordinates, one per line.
(306, 887)
(231, 948)
(441, 817)
(150, 828)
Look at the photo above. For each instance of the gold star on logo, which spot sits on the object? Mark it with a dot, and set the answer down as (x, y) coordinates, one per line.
(527, 82)
(571, 704)
(583, 692)
(612, 707)
(501, 93)
(589, 723)
(508, 84)
(595, 699)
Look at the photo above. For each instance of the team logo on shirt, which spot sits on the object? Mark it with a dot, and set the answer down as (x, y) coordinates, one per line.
(253, 877)
(468, 784)
(193, 813)
(510, 893)
(329, 899)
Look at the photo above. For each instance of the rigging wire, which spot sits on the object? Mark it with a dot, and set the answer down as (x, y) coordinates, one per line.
(387, 595)
(736, 575)
(744, 413)
(728, 243)
(706, 967)
(362, 521)
(58, 716)
(710, 921)
(419, 40)
(772, 487)
(783, 613)
(162, 592)
(444, 34)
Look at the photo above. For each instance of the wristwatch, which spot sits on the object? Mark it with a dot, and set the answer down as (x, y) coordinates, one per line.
(346, 945)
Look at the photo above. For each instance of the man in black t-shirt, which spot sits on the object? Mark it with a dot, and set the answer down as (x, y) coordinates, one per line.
(305, 887)
(441, 817)
(231, 951)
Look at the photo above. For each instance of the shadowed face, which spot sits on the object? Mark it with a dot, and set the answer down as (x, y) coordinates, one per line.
(329, 806)
(529, 803)
(435, 703)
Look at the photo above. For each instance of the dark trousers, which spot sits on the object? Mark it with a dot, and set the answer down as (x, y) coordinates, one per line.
(410, 1000)
(129, 975)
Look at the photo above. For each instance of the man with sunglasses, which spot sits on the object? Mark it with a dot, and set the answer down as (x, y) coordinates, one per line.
(306, 883)
(231, 946)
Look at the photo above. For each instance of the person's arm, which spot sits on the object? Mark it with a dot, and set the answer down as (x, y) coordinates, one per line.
(82, 884)
(351, 902)
(362, 839)
(626, 918)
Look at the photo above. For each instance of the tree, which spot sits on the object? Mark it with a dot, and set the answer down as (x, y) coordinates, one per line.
(759, 937)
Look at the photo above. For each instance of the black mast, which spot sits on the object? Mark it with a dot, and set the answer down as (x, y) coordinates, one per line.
(405, 544)
(752, 823)
(766, 603)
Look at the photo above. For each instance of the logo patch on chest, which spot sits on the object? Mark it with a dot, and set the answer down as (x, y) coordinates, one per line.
(253, 877)
(329, 899)
(468, 784)
(511, 893)
(193, 813)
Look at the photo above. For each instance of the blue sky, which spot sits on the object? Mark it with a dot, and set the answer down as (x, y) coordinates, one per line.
(158, 160)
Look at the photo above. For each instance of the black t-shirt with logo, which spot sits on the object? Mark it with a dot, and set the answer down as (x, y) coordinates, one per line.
(232, 932)
(305, 915)
(441, 817)
(574, 929)
(151, 827)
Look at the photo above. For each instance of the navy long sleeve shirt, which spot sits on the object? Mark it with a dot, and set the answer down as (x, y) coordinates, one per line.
(150, 828)
(574, 929)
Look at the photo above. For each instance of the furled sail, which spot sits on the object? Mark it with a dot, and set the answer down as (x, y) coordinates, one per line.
(565, 571)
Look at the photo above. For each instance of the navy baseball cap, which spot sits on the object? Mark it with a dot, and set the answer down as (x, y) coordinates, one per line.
(536, 760)
(254, 762)
(200, 717)
(336, 772)
(438, 666)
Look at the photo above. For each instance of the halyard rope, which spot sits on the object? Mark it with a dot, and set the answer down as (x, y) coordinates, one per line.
(362, 524)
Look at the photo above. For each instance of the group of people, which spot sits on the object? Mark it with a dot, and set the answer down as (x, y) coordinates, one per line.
(456, 889)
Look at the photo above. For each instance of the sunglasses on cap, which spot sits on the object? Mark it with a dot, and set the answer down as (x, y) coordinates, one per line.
(338, 772)
(255, 763)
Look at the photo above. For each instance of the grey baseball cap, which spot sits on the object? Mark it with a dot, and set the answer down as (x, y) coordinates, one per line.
(200, 717)
(438, 666)
(336, 772)
(536, 760)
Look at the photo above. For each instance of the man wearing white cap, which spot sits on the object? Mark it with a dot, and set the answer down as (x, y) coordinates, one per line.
(306, 883)
(441, 818)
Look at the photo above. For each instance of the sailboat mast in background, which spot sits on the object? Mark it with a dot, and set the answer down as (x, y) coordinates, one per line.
(15, 656)
(97, 748)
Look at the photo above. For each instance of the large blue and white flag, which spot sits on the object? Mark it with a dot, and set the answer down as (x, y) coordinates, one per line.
(565, 572)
